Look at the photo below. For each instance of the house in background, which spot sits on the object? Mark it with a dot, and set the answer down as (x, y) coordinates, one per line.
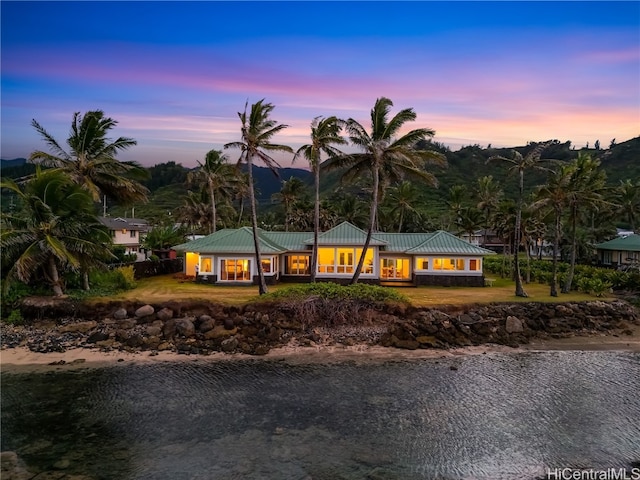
(127, 232)
(620, 252)
(437, 258)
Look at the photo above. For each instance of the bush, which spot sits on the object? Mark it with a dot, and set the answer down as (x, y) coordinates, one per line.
(329, 304)
(126, 278)
(15, 317)
(334, 291)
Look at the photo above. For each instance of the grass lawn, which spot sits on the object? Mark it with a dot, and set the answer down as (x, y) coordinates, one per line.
(164, 288)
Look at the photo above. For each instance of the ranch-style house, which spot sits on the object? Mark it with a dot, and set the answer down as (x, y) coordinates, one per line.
(437, 258)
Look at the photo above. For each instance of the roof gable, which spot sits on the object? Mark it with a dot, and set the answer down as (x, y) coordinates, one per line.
(231, 241)
(345, 234)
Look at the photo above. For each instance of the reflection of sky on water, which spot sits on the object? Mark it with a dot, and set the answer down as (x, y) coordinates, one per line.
(497, 416)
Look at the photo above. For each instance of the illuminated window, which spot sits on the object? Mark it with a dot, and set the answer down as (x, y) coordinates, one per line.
(343, 260)
(395, 268)
(474, 264)
(422, 263)
(205, 267)
(235, 270)
(297, 264)
(266, 265)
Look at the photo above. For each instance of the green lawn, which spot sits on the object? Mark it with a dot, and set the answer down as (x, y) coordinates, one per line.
(165, 288)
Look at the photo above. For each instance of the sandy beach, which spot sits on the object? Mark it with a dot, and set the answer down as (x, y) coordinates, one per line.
(22, 360)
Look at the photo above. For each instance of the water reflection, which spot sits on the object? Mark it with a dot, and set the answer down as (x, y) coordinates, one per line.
(495, 417)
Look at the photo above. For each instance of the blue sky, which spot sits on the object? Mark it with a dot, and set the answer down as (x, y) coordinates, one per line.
(175, 74)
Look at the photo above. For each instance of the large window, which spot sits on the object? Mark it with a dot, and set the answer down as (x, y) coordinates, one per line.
(395, 268)
(448, 263)
(422, 263)
(343, 260)
(297, 264)
(235, 270)
(206, 264)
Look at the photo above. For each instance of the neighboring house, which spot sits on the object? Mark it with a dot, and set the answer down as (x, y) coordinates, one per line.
(437, 258)
(487, 239)
(127, 232)
(621, 251)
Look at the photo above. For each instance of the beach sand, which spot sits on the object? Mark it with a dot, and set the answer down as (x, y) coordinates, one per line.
(22, 360)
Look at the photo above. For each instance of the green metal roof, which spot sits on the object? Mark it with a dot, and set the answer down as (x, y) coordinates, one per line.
(232, 241)
(345, 234)
(291, 241)
(623, 244)
(401, 242)
(445, 243)
(241, 241)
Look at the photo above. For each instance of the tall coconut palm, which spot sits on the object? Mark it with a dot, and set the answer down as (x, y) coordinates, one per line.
(56, 229)
(218, 176)
(91, 160)
(488, 193)
(553, 195)
(325, 133)
(585, 191)
(628, 199)
(385, 155)
(519, 164)
(292, 191)
(402, 200)
(257, 130)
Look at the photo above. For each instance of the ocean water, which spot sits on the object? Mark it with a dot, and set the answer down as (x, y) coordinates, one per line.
(494, 416)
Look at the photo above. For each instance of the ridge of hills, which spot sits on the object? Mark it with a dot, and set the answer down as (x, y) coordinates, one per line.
(167, 181)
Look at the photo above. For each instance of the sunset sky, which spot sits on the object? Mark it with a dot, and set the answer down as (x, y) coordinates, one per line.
(175, 74)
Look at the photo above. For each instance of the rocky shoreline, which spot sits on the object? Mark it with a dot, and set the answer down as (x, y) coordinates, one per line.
(203, 328)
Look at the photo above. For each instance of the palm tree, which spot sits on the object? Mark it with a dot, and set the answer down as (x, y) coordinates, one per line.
(457, 199)
(325, 133)
(256, 132)
(553, 195)
(56, 228)
(351, 209)
(385, 156)
(519, 164)
(91, 162)
(628, 199)
(194, 212)
(488, 194)
(291, 192)
(219, 177)
(402, 200)
(585, 192)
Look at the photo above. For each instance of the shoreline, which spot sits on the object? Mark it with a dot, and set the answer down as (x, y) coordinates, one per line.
(22, 360)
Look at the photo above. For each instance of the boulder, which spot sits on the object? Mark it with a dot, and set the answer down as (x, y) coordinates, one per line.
(219, 332)
(97, 337)
(79, 327)
(144, 311)
(127, 323)
(206, 323)
(513, 325)
(185, 327)
(229, 344)
(120, 314)
(165, 314)
(229, 323)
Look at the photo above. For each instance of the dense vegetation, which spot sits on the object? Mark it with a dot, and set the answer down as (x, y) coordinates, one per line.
(569, 198)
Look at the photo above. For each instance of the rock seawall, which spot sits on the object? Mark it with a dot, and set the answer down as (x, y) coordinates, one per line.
(202, 328)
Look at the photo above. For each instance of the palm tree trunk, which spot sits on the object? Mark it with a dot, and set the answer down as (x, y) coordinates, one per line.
(572, 264)
(262, 284)
(372, 222)
(556, 244)
(316, 223)
(516, 262)
(85, 281)
(55, 277)
(401, 220)
(214, 216)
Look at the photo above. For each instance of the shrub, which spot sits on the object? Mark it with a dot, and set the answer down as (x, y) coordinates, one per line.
(329, 304)
(15, 317)
(126, 278)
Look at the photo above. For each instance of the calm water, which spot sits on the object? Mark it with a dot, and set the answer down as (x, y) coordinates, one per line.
(498, 416)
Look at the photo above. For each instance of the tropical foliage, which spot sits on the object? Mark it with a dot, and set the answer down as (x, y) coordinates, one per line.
(56, 231)
(257, 130)
(91, 159)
